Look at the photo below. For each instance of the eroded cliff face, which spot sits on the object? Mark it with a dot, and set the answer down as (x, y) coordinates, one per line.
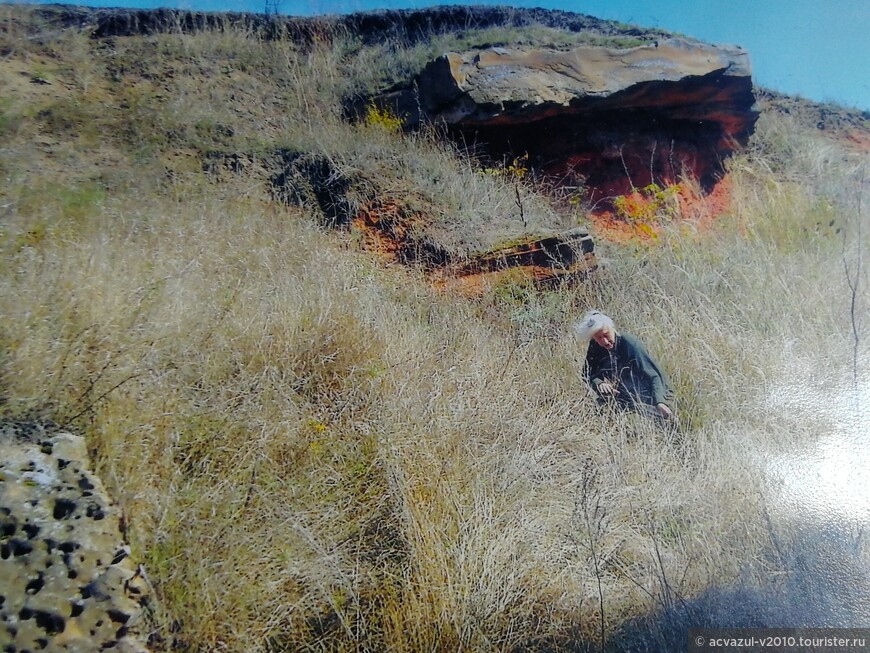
(602, 118)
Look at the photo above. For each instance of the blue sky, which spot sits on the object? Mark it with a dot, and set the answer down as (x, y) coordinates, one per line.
(819, 49)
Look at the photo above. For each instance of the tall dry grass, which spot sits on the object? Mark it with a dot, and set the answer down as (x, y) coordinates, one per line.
(313, 451)
(308, 448)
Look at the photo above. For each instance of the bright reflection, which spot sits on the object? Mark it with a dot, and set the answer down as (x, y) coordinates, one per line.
(828, 479)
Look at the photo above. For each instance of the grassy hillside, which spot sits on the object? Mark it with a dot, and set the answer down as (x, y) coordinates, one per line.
(316, 451)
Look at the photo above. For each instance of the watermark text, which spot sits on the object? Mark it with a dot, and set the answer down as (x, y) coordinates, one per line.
(784, 640)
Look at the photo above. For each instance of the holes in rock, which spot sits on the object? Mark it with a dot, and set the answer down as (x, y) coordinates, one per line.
(77, 608)
(41, 643)
(95, 512)
(20, 548)
(31, 530)
(72, 574)
(35, 585)
(51, 623)
(63, 508)
(120, 554)
(86, 591)
(85, 484)
(62, 464)
(25, 613)
(8, 529)
(118, 617)
(68, 547)
(5, 551)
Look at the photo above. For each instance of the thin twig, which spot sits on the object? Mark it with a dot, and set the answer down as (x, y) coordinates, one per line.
(519, 202)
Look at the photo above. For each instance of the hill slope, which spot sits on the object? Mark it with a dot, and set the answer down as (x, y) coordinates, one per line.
(314, 450)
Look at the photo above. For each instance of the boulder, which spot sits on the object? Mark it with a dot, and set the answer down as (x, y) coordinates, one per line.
(606, 119)
(69, 583)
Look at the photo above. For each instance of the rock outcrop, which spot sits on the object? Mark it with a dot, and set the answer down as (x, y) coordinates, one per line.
(398, 228)
(543, 261)
(387, 227)
(602, 118)
(68, 583)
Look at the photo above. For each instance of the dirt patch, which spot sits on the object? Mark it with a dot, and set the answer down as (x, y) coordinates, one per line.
(858, 140)
(392, 229)
(395, 232)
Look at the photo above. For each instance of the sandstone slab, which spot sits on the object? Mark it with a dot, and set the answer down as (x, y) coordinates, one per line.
(604, 119)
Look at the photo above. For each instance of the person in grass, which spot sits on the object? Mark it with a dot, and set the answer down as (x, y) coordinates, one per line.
(620, 369)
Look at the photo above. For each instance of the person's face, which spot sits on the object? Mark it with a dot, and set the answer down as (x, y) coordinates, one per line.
(605, 337)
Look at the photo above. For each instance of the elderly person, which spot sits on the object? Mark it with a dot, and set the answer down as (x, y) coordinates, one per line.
(619, 368)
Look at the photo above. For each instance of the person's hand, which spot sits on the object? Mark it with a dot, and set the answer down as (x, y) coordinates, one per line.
(607, 389)
(664, 411)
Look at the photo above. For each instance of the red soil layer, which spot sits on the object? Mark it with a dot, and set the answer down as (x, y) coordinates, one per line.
(858, 140)
(391, 231)
(695, 206)
(385, 228)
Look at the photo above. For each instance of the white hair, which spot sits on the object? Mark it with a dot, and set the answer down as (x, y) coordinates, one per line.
(591, 323)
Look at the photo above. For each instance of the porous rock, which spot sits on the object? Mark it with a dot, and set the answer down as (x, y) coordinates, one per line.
(68, 582)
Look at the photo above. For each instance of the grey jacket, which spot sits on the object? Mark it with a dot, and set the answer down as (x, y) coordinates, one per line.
(630, 368)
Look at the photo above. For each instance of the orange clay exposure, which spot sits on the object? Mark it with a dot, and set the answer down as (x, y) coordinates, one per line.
(695, 208)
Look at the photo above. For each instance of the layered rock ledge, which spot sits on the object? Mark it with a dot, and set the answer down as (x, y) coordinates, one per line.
(387, 227)
(606, 119)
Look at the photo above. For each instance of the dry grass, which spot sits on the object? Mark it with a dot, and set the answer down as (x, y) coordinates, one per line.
(314, 452)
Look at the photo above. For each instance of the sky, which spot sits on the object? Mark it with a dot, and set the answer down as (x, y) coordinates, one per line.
(818, 49)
